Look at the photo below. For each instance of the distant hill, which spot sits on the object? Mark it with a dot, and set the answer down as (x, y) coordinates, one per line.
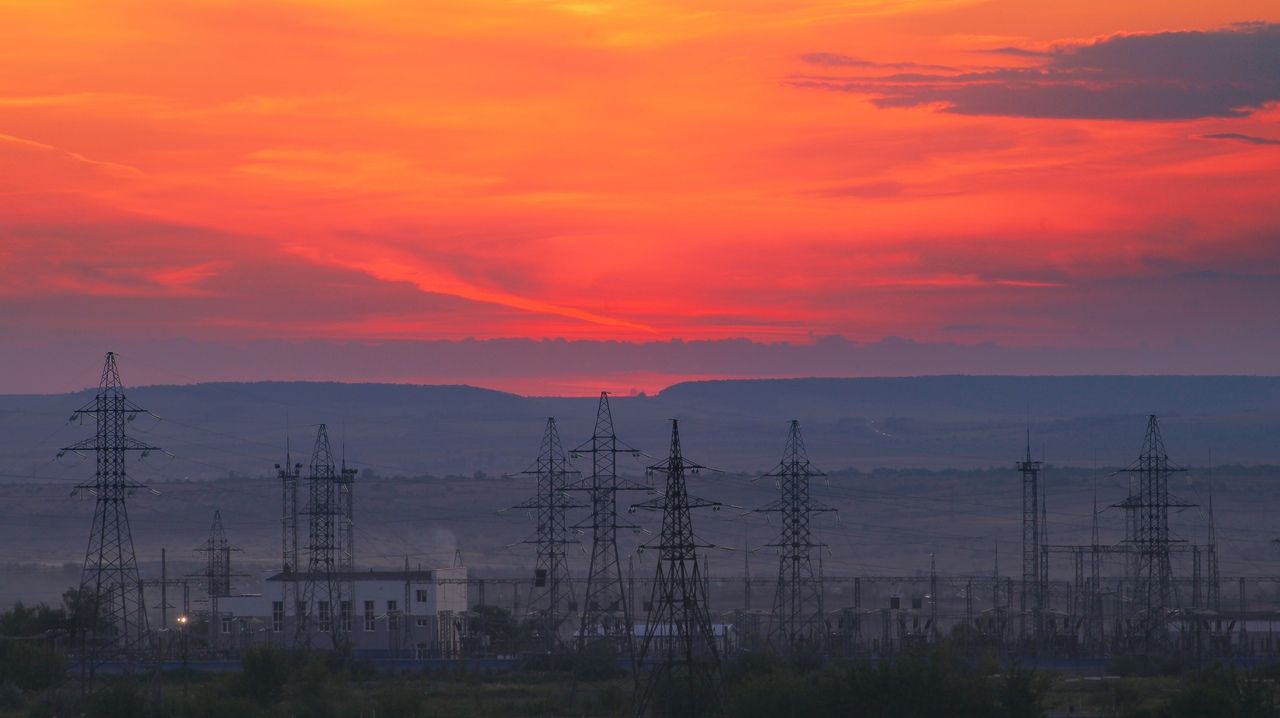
(979, 397)
(221, 429)
(226, 437)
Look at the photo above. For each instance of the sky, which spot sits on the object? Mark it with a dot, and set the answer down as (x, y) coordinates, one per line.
(557, 197)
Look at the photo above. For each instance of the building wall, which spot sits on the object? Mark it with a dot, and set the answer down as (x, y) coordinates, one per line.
(381, 621)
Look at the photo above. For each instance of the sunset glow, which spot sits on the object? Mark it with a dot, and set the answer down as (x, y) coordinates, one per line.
(1088, 174)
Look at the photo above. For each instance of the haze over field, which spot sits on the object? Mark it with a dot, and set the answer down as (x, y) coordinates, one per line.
(438, 464)
(215, 430)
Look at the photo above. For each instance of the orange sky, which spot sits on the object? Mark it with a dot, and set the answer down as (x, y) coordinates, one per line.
(410, 169)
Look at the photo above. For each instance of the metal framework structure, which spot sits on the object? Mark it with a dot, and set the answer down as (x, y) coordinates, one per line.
(289, 473)
(1151, 540)
(217, 551)
(678, 638)
(605, 613)
(323, 586)
(165, 637)
(1033, 587)
(217, 573)
(110, 581)
(1214, 599)
(551, 598)
(345, 495)
(799, 621)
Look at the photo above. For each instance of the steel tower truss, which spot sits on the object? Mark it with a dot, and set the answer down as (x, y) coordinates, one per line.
(678, 638)
(324, 604)
(289, 473)
(217, 551)
(605, 613)
(1154, 595)
(1033, 598)
(110, 582)
(551, 598)
(799, 621)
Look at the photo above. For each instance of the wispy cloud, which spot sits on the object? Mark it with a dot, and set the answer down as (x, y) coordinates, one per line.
(1238, 137)
(832, 59)
(393, 266)
(112, 166)
(1163, 76)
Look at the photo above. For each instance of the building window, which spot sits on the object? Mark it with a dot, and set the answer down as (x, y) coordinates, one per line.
(369, 617)
(424, 622)
(344, 614)
(277, 616)
(422, 595)
(325, 618)
(226, 625)
(393, 616)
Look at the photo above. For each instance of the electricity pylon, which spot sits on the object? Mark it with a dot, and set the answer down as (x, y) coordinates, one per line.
(217, 551)
(799, 622)
(116, 624)
(323, 584)
(605, 613)
(678, 638)
(551, 598)
(1032, 596)
(290, 557)
(217, 573)
(1154, 594)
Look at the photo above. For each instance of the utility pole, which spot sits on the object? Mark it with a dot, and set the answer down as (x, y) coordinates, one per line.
(116, 627)
(164, 589)
(678, 637)
(933, 598)
(1096, 622)
(185, 620)
(165, 641)
(605, 613)
(1214, 602)
(798, 621)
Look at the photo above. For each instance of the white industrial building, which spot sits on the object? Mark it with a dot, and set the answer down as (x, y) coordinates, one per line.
(414, 614)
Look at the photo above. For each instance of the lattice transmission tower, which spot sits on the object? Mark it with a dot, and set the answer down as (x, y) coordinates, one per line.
(1032, 596)
(289, 473)
(217, 551)
(324, 585)
(799, 621)
(110, 583)
(345, 493)
(217, 572)
(1151, 544)
(678, 638)
(605, 613)
(551, 598)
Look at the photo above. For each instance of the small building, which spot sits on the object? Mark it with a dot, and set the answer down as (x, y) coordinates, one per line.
(391, 614)
(666, 638)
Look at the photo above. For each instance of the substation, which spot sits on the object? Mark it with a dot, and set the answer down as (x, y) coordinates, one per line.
(1145, 592)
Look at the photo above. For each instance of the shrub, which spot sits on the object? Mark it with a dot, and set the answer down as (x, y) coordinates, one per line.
(265, 672)
(30, 666)
(118, 698)
(923, 685)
